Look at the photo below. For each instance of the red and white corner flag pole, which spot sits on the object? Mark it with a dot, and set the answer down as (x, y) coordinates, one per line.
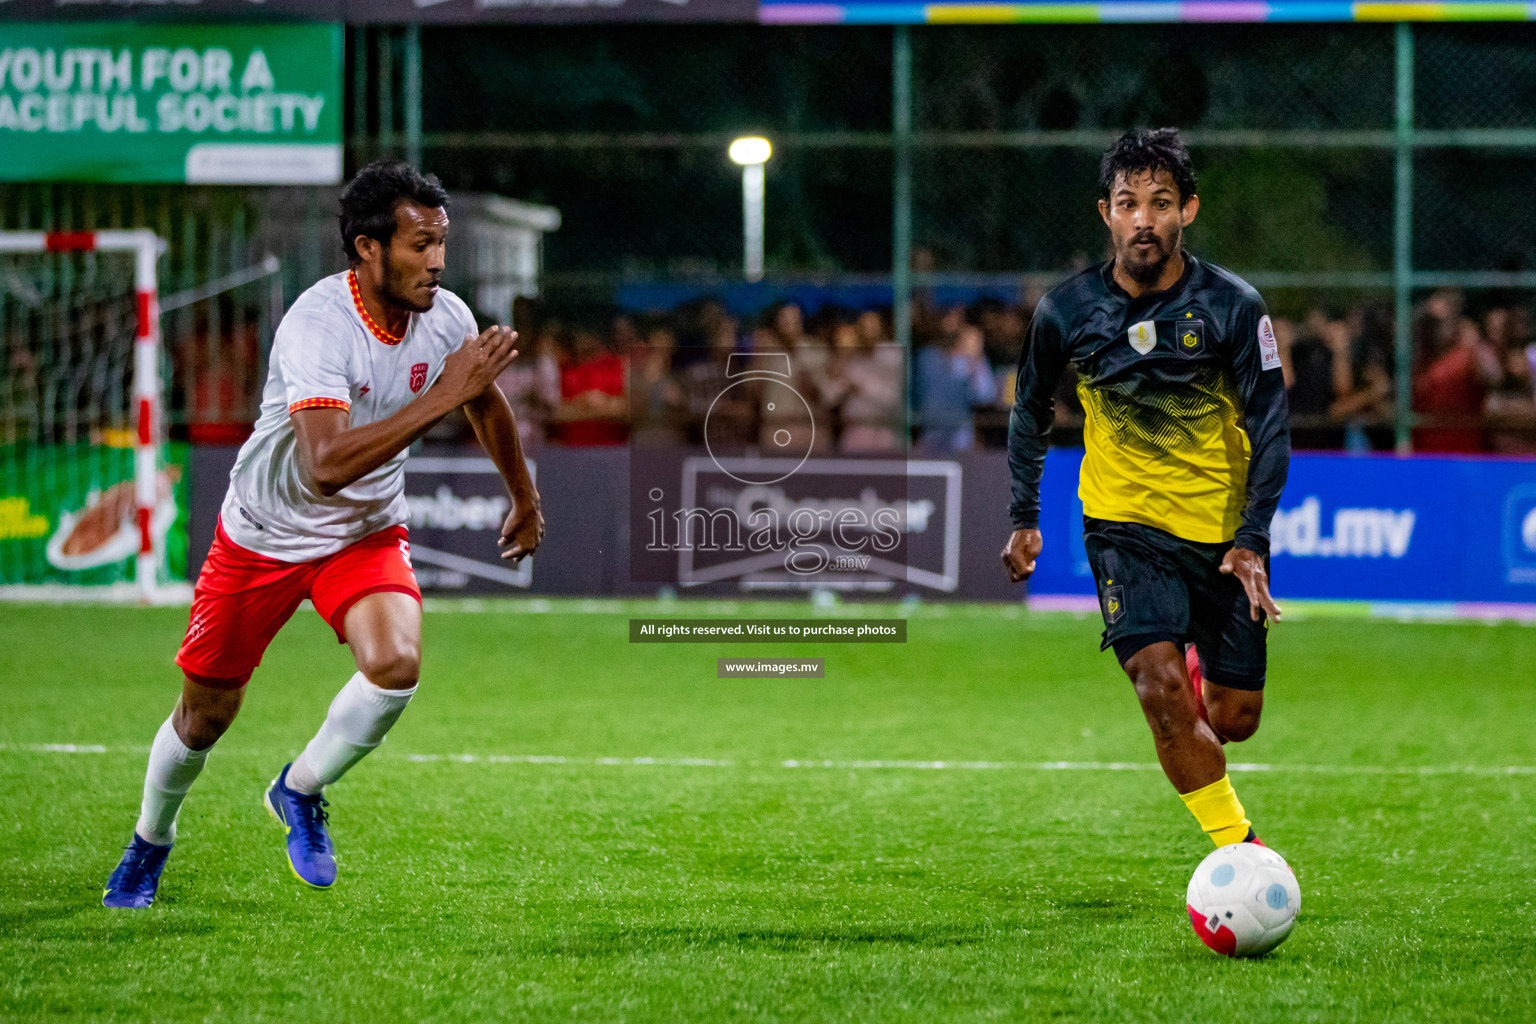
(145, 247)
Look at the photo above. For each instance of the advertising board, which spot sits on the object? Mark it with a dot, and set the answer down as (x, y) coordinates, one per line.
(198, 104)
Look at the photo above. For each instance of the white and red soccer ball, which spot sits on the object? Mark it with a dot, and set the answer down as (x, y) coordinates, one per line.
(1243, 900)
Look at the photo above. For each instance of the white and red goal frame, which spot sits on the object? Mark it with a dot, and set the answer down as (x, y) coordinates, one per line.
(146, 247)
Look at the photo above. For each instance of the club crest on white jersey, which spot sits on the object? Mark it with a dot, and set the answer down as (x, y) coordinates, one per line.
(326, 355)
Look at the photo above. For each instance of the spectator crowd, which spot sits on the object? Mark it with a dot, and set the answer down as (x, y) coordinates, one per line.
(668, 378)
(654, 379)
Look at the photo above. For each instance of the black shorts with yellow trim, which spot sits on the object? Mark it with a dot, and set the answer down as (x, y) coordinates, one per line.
(1158, 586)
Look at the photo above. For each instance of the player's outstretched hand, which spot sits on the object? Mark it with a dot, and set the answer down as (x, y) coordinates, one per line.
(472, 368)
(1249, 569)
(523, 531)
(1020, 552)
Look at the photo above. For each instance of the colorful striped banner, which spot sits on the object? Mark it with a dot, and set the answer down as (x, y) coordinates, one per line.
(1405, 611)
(794, 12)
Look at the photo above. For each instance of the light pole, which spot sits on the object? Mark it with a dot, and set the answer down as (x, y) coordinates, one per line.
(752, 153)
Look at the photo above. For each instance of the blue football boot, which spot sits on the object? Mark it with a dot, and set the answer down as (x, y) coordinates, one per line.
(303, 818)
(137, 877)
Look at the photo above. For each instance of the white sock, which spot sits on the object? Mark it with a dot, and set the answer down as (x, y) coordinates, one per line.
(358, 719)
(172, 769)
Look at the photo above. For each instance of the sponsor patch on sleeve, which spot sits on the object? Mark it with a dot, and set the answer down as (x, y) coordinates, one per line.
(1269, 352)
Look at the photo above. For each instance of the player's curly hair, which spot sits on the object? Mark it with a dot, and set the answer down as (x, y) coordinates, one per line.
(369, 200)
(1148, 149)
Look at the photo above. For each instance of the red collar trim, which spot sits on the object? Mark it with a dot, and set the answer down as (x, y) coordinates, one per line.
(362, 311)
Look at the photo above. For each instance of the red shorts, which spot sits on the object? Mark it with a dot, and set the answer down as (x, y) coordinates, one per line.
(242, 599)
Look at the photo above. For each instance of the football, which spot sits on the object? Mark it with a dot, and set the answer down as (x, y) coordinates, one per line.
(1243, 899)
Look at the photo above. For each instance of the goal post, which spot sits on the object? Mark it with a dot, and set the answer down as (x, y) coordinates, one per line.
(144, 246)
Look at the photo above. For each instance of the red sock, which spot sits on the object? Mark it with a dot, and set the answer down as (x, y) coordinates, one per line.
(1192, 663)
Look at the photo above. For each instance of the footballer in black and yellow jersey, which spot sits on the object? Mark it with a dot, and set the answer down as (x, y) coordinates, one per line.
(1187, 450)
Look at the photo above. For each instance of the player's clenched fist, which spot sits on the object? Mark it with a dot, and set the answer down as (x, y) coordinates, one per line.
(472, 367)
(1019, 554)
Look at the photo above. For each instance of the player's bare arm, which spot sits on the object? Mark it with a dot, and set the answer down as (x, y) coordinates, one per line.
(333, 454)
(1249, 569)
(1020, 552)
(496, 428)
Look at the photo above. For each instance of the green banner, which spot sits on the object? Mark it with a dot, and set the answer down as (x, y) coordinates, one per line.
(201, 104)
(67, 514)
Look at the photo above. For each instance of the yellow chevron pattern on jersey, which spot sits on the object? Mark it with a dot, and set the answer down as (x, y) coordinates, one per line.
(1165, 453)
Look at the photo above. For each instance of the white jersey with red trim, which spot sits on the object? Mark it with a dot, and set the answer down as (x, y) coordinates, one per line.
(329, 353)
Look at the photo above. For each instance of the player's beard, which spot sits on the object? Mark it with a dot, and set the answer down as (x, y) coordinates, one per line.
(1147, 271)
(399, 283)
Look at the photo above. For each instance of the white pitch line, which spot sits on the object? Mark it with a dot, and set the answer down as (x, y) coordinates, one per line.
(843, 765)
(1027, 766)
(663, 762)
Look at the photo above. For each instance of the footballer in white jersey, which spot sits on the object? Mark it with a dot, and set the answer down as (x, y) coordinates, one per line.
(363, 364)
(326, 355)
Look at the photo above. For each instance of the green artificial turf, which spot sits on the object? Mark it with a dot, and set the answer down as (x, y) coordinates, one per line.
(478, 883)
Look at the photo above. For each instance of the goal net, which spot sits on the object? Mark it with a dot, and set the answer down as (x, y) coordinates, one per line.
(87, 499)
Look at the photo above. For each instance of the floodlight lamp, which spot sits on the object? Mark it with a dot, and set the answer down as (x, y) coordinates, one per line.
(751, 150)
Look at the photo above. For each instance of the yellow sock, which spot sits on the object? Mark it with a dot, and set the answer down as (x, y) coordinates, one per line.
(1218, 811)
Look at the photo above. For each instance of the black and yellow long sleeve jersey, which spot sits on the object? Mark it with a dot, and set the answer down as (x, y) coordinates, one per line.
(1186, 424)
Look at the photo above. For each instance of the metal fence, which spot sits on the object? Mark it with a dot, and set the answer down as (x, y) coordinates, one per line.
(1345, 168)
(232, 256)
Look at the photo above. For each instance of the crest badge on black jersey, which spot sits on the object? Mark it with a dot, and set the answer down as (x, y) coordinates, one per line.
(1189, 336)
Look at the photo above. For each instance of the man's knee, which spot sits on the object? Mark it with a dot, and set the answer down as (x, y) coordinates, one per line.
(1234, 714)
(206, 709)
(199, 730)
(384, 631)
(391, 666)
(1163, 690)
